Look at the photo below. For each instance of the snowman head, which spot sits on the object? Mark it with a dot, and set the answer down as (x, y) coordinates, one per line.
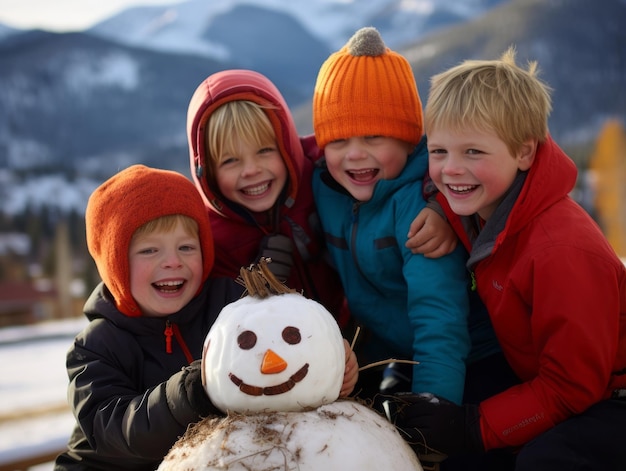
(272, 351)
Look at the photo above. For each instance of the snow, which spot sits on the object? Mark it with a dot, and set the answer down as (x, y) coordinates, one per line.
(180, 27)
(87, 75)
(34, 379)
(63, 15)
(34, 418)
(52, 190)
(342, 434)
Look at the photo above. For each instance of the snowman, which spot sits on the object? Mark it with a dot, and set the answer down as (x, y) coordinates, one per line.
(274, 363)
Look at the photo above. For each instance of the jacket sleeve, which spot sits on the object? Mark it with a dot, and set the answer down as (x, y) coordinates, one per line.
(568, 311)
(438, 309)
(120, 419)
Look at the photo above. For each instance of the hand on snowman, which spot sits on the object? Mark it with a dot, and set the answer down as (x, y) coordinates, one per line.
(194, 389)
(431, 424)
(351, 373)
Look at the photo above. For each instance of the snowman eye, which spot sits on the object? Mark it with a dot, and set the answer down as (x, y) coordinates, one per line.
(291, 335)
(247, 340)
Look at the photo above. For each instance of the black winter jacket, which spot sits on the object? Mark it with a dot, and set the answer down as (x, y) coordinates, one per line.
(126, 391)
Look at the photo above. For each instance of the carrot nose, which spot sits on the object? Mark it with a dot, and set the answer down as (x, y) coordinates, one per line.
(272, 363)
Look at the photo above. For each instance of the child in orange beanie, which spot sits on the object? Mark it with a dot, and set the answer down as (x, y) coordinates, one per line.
(367, 120)
(135, 381)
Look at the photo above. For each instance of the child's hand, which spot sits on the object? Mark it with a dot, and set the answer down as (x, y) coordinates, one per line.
(431, 235)
(351, 374)
(194, 390)
(278, 248)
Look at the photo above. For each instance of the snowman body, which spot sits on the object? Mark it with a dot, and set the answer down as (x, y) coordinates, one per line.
(343, 435)
(275, 367)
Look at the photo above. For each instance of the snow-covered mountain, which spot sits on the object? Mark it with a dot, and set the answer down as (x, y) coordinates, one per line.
(6, 31)
(186, 27)
(77, 107)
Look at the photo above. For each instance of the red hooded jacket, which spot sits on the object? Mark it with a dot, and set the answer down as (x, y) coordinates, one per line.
(236, 232)
(556, 294)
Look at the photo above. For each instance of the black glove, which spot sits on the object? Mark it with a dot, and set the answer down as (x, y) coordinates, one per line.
(196, 395)
(433, 425)
(278, 248)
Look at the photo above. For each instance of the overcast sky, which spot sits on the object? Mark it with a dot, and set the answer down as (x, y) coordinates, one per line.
(65, 15)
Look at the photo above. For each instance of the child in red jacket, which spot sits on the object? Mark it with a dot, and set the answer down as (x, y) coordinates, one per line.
(554, 288)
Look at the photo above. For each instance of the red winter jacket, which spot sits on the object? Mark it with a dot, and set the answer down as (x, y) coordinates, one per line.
(556, 294)
(236, 232)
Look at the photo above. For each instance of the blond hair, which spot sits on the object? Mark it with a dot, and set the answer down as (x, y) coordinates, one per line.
(491, 95)
(231, 124)
(167, 224)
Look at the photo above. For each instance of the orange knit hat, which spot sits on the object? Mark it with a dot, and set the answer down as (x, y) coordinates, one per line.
(366, 89)
(125, 202)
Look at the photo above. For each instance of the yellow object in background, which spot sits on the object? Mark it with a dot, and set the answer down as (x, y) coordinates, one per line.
(608, 166)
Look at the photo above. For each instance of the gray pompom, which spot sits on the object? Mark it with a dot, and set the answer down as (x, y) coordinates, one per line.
(366, 42)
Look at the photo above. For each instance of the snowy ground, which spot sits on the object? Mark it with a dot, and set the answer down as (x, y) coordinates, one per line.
(34, 418)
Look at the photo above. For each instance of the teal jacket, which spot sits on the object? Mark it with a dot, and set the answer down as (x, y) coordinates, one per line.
(414, 307)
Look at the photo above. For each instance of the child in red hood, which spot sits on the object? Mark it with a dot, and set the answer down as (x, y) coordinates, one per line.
(248, 164)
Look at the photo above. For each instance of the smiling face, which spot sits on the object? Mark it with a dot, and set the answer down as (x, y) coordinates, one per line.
(246, 164)
(280, 353)
(474, 169)
(359, 163)
(165, 269)
(253, 176)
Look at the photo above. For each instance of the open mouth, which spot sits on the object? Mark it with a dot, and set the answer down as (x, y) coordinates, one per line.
(169, 286)
(256, 190)
(271, 390)
(462, 189)
(363, 176)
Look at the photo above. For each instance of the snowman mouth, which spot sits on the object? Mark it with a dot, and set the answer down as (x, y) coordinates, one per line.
(271, 390)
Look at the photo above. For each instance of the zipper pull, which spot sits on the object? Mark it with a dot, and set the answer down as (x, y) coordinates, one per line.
(355, 211)
(169, 332)
(473, 285)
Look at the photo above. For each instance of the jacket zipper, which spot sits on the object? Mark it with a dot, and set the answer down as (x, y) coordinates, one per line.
(355, 226)
(171, 330)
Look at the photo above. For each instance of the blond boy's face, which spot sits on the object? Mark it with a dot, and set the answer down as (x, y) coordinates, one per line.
(358, 163)
(473, 169)
(165, 270)
(253, 177)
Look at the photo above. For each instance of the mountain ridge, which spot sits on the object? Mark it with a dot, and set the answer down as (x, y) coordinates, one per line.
(85, 106)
